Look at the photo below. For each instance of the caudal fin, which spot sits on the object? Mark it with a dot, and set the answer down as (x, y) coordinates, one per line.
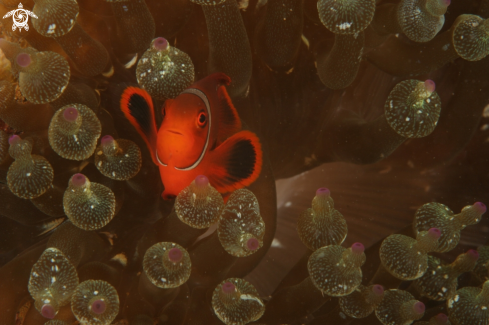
(137, 106)
(236, 163)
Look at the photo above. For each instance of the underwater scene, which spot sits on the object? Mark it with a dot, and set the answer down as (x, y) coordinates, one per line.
(205, 162)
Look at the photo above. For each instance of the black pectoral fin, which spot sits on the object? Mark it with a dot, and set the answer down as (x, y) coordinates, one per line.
(237, 162)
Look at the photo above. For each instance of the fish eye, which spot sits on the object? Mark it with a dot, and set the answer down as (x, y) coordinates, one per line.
(202, 119)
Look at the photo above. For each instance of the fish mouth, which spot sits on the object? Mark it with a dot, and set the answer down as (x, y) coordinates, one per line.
(174, 132)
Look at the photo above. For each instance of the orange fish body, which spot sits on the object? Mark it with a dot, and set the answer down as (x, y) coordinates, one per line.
(200, 135)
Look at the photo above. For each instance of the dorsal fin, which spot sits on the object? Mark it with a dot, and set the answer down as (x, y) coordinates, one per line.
(236, 163)
(137, 106)
(229, 122)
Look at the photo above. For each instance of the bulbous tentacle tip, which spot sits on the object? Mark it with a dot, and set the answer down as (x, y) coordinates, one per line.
(201, 181)
(95, 302)
(346, 17)
(167, 265)
(74, 131)
(23, 60)
(118, 159)
(253, 244)
(78, 180)
(430, 85)
(13, 140)
(208, 2)
(234, 236)
(445, 3)
(164, 71)
(434, 232)
(357, 248)
(56, 322)
(199, 205)
(175, 255)
(228, 287)
(378, 289)
(419, 308)
(323, 192)
(55, 18)
(48, 311)
(107, 140)
(480, 207)
(98, 307)
(413, 108)
(160, 44)
(441, 318)
(472, 253)
(235, 301)
(70, 114)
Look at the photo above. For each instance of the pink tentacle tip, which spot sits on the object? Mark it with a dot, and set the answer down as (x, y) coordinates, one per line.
(78, 180)
(48, 311)
(107, 140)
(14, 139)
(434, 232)
(160, 44)
(441, 318)
(70, 114)
(357, 248)
(446, 3)
(23, 60)
(480, 207)
(201, 181)
(323, 192)
(253, 244)
(473, 254)
(419, 308)
(430, 85)
(228, 287)
(175, 255)
(378, 289)
(98, 307)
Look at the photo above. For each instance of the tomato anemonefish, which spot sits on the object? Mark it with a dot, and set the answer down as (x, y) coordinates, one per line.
(200, 135)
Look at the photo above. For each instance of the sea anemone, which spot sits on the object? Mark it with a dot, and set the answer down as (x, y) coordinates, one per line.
(385, 102)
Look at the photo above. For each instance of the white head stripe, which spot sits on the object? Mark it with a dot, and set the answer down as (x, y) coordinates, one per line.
(158, 159)
(203, 97)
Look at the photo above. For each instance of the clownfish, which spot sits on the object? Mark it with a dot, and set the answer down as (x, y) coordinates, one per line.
(200, 135)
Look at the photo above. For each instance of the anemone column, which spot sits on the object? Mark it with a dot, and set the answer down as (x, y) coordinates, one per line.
(279, 33)
(229, 47)
(338, 67)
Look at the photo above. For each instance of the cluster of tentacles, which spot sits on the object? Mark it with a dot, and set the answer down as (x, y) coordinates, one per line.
(85, 234)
